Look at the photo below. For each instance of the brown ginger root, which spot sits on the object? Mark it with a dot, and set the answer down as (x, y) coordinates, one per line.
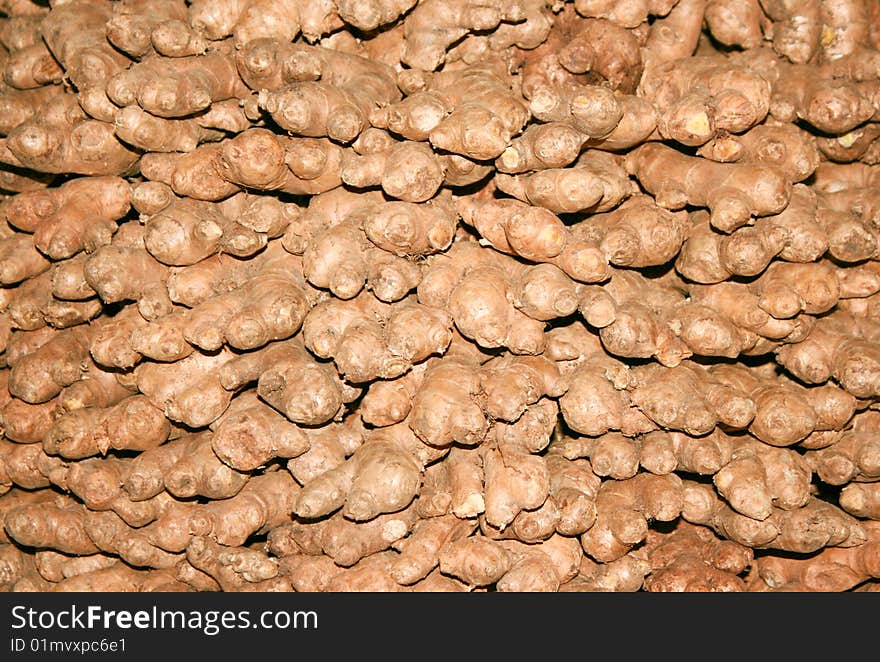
(738, 191)
(830, 570)
(423, 296)
(691, 558)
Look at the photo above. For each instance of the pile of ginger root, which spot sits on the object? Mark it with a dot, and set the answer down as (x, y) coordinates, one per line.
(440, 295)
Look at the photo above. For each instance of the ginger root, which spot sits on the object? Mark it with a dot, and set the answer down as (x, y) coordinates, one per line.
(422, 296)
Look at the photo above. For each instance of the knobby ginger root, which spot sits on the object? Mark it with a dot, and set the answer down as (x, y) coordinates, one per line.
(737, 192)
(700, 96)
(691, 558)
(424, 296)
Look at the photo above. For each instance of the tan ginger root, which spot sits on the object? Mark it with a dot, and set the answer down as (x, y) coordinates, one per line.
(515, 480)
(624, 575)
(693, 559)
(727, 318)
(69, 279)
(594, 110)
(737, 192)
(284, 20)
(33, 306)
(585, 76)
(77, 36)
(786, 146)
(541, 567)
(610, 455)
(623, 510)
(420, 551)
(79, 215)
(662, 452)
(279, 370)
(513, 383)
(234, 568)
(29, 467)
(431, 29)
(476, 560)
(757, 478)
(542, 146)
(407, 171)
(847, 188)
(712, 257)
(188, 231)
(814, 526)
(267, 307)
(262, 504)
(31, 66)
(41, 375)
(447, 409)
(833, 106)
(177, 87)
(189, 391)
(629, 313)
(54, 527)
(133, 423)
(123, 578)
(26, 423)
(861, 500)
(387, 402)
(407, 229)
(599, 52)
(338, 104)
(249, 438)
(573, 488)
(132, 23)
(19, 106)
(25, 305)
(68, 144)
(138, 128)
(367, 339)
(700, 96)
(341, 259)
(199, 472)
(829, 570)
(465, 469)
(467, 287)
(854, 457)
(255, 159)
(105, 493)
(382, 476)
(836, 347)
(627, 14)
(56, 567)
(268, 64)
(798, 234)
(105, 269)
(796, 28)
(737, 24)
(786, 289)
(593, 403)
(453, 102)
(328, 448)
(595, 183)
(16, 568)
(535, 234)
(774, 403)
(21, 259)
(347, 542)
(638, 233)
